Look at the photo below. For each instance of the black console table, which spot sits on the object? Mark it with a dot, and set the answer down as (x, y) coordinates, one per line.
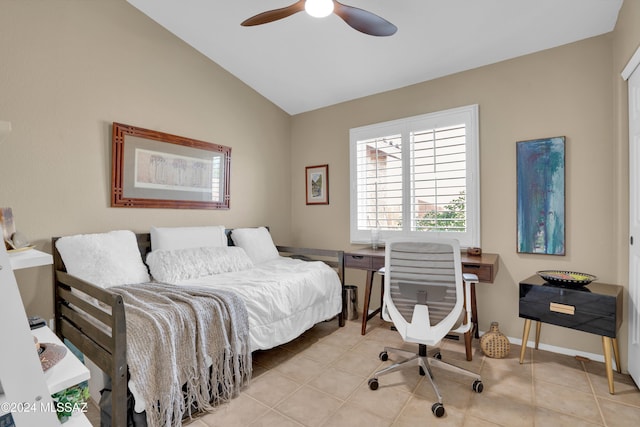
(595, 308)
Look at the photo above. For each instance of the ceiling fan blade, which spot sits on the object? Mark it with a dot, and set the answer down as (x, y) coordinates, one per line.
(274, 15)
(364, 21)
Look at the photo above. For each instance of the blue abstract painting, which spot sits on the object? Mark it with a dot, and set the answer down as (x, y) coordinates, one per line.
(540, 194)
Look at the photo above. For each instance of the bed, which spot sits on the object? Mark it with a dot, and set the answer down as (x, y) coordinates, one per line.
(92, 317)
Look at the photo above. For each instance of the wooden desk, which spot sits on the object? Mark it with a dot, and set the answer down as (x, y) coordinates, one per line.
(484, 266)
(595, 308)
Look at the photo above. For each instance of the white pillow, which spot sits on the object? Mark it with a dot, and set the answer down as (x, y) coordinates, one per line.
(104, 259)
(174, 266)
(256, 242)
(168, 238)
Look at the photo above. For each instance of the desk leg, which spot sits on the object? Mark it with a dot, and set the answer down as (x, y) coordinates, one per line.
(467, 345)
(538, 327)
(381, 294)
(367, 297)
(474, 312)
(606, 345)
(525, 338)
(468, 336)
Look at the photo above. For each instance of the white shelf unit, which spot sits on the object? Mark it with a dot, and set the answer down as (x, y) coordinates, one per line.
(64, 374)
(67, 372)
(29, 258)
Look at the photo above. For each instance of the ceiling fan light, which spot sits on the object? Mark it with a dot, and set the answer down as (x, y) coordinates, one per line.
(319, 8)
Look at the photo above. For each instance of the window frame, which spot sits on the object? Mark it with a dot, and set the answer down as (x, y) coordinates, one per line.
(467, 115)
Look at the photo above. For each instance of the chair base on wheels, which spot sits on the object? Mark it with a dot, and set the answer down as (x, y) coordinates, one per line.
(425, 363)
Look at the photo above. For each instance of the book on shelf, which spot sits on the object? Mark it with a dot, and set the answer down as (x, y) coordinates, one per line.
(6, 420)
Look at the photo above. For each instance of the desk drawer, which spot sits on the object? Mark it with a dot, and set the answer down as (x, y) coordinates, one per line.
(362, 262)
(377, 263)
(484, 272)
(580, 320)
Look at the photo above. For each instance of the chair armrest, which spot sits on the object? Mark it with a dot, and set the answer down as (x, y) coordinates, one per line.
(468, 277)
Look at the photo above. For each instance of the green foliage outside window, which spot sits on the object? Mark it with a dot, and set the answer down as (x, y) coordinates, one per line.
(451, 218)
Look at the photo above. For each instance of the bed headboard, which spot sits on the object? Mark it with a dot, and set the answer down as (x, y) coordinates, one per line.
(144, 245)
(144, 242)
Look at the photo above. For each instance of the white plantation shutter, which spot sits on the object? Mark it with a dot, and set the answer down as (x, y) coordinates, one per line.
(417, 175)
(438, 178)
(380, 183)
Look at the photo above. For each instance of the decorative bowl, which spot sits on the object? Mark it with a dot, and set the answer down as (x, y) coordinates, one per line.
(568, 278)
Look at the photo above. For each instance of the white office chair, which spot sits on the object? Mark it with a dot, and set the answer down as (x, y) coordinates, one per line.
(425, 298)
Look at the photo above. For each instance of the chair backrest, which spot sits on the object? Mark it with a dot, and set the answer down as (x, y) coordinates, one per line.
(424, 294)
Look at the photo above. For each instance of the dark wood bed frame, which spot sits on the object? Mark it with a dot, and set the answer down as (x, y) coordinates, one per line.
(76, 318)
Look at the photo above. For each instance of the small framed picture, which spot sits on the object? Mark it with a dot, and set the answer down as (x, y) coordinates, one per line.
(317, 187)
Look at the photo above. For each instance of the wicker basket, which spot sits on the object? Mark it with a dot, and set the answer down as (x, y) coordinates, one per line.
(494, 343)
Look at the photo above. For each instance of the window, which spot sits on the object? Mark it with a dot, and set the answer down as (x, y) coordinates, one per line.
(417, 175)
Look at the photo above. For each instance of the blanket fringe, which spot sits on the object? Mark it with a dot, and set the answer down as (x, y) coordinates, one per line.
(197, 337)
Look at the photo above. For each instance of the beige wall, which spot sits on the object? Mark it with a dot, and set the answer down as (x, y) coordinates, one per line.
(68, 69)
(563, 91)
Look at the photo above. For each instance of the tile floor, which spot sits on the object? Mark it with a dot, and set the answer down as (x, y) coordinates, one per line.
(320, 380)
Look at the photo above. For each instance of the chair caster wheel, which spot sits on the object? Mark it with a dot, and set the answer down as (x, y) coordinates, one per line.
(383, 356)
(373, 383)
(437, 409)
(437, 355)
(477, 386)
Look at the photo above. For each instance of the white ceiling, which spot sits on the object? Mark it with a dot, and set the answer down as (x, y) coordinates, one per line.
(302, 63)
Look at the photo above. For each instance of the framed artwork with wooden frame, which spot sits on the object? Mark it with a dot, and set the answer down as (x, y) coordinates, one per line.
(317, 185)
(152, 169)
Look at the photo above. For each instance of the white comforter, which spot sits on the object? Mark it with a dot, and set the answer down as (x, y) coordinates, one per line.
(284, 297)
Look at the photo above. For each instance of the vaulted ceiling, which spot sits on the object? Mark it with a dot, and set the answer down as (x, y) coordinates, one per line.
(302, 63)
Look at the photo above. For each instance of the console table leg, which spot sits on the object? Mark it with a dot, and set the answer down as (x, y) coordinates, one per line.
(525, 338)
(616, 354)
(606, 345)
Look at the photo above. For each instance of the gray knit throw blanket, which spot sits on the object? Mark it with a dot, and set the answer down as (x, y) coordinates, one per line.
(184, 336)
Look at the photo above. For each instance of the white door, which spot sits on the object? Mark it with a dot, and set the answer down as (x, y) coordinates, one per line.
(634, 225)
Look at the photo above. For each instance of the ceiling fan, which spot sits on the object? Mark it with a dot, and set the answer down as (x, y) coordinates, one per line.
(359, 19)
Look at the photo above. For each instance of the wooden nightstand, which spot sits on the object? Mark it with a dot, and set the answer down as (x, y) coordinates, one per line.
(595, 308)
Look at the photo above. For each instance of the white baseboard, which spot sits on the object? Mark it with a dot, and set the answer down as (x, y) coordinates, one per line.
(560, 350)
